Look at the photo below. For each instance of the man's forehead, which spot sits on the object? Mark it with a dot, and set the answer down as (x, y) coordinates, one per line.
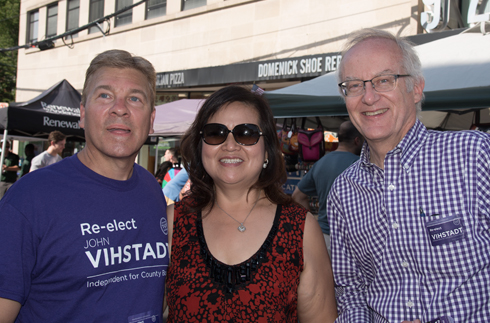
(108, 76)
(379, 54)
(374, 46)
(376, 42)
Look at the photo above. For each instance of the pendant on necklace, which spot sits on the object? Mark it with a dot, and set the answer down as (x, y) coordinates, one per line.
(241, 228)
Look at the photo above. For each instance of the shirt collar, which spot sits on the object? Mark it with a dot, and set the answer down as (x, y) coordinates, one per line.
(409, 146)
(412, 143)
(364, 157)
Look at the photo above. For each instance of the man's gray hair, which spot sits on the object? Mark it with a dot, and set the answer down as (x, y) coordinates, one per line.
(410, 63)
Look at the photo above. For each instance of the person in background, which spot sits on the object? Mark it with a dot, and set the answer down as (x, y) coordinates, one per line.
(85, 239)
(320, 177)
(26, 164)
(173, 170)
(162, 170)
(171, 163)
(57, 142)
(410, 220)
(242, 250)
(173, 188)
(10, 168)
(171, 156)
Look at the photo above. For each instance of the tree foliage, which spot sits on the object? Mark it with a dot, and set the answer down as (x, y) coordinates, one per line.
(9, 37)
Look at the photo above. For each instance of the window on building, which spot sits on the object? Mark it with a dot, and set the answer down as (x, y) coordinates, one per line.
(96, 11)
(191, 4)
(127, 16)
(52, 20)
(73, 14)
(32, 29)
(156, 8)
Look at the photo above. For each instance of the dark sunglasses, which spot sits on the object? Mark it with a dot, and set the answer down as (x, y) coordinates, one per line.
(245, 134)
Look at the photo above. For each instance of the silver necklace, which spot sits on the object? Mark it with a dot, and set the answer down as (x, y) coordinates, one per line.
(241, 227)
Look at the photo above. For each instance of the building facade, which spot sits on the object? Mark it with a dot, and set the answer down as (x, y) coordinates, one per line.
(198, 46)
(183, 38)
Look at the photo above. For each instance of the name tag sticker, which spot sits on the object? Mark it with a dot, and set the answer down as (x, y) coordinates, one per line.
(147, 317)
(443, 319)
(445, 230)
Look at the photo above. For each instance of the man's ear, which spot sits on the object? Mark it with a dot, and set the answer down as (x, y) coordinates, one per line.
(418, 90)
(152, 119)
(82, 116)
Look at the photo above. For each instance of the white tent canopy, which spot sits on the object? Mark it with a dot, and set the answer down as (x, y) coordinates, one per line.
(174, 118)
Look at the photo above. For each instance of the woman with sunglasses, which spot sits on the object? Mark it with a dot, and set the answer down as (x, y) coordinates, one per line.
(241, 250)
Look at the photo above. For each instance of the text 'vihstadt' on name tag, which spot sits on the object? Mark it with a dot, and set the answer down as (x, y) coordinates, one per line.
(445, 230)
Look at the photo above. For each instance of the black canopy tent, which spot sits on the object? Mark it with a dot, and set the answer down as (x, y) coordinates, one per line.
(57, 108)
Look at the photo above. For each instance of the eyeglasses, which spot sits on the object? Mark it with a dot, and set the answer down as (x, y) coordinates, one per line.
(245, 134)
(382, 83)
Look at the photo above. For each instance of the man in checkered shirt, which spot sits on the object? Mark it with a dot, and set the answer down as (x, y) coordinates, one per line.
(410, 221)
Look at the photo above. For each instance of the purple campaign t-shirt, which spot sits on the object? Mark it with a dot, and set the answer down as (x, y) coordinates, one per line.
(79, 247)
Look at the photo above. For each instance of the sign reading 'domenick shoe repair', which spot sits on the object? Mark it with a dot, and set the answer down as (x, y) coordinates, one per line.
(280, 69)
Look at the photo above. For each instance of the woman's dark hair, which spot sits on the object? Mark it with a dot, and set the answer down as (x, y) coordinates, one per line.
(271, 179)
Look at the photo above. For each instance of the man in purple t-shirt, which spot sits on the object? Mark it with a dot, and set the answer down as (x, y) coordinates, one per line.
(91, 243)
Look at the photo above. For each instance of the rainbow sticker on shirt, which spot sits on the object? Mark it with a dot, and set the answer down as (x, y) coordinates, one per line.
(172, 172)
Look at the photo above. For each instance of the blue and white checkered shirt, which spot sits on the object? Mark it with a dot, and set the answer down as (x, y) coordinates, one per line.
(412, 241)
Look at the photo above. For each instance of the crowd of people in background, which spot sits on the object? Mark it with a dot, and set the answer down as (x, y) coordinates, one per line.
(13, 168)
(404, 211)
